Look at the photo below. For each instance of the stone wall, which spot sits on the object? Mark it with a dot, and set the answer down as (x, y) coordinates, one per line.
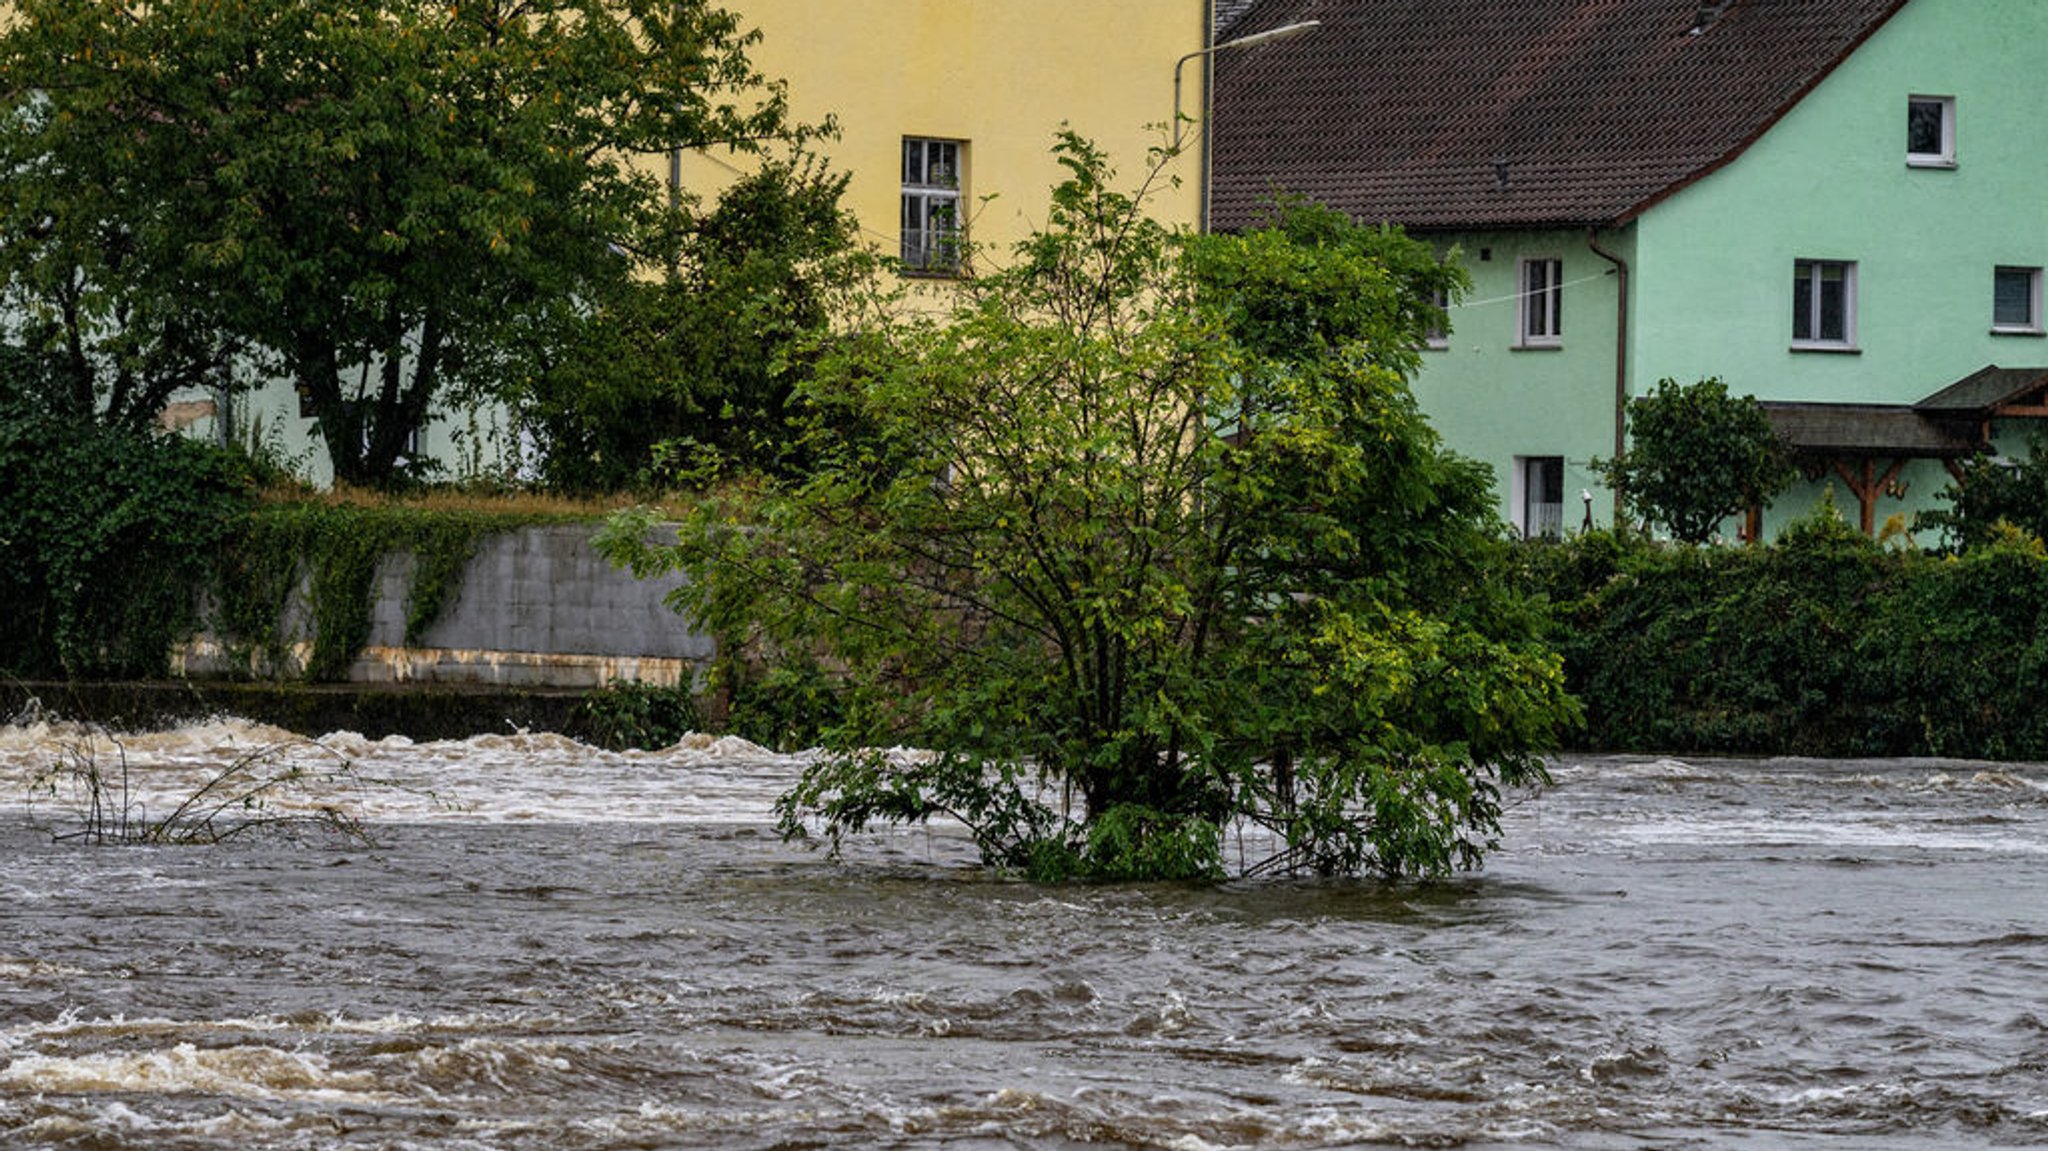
(536, 608)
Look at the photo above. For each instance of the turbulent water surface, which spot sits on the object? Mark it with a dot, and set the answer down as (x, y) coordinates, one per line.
(563, 949)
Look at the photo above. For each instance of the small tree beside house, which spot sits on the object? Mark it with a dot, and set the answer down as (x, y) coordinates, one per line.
(1697, 456)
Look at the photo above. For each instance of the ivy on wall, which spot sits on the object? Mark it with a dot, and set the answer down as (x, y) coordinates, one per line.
(331, 552)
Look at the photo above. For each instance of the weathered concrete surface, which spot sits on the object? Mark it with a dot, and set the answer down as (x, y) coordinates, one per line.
(536, 608)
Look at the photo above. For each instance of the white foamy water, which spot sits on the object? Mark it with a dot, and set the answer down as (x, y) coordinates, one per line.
(515, 777)
(554, 948)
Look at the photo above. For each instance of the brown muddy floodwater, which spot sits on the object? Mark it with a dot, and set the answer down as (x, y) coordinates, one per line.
(570, 949)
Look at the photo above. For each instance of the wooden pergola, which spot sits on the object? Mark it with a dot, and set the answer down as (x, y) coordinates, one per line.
(1866, 445)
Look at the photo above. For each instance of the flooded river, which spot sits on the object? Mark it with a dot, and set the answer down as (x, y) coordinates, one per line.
(565, 949)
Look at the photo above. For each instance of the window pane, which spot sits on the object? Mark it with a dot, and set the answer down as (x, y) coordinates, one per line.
(913, 161)
(1834, 303)
(1802, 301)
(1923, 127)
(2012, 297)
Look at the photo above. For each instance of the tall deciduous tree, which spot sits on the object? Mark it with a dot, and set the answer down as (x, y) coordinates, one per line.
(368, 196)
(1101, 534)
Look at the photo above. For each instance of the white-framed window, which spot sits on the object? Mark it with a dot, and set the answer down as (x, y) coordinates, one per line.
(1437, 337)
(931, 205)
(1541, 299)
(1931, 131)
(2016, 300)
(1536, 495)
(1823, 304)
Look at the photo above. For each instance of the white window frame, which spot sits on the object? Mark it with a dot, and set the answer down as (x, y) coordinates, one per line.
(1810, 270)
(2032, 324)
(1527, 512)
(1539, 311)
(1945, 156)
(932, 223)
(1437, 337)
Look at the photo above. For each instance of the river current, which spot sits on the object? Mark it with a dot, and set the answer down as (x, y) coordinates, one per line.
(552, 947)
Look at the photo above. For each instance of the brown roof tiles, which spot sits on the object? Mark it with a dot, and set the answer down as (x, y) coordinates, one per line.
(1442, 114)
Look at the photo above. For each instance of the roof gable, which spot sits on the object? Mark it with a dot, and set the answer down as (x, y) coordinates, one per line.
(1511, 113)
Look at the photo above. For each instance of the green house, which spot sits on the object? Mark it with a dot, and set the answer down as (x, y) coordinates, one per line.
(1838, 206)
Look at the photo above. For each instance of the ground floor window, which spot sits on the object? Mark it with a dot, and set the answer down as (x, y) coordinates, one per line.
(1538, 496)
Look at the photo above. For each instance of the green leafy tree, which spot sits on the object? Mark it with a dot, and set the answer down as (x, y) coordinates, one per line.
(701, 359)
(1990, 491)
(1129, 574)
(1696, 456)
(372, 198)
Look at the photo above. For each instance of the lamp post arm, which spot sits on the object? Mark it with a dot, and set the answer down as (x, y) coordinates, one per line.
(1251, 41)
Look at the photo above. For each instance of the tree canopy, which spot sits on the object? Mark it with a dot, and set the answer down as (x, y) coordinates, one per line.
(1696, 456)
(374, 199)
(1144, 540)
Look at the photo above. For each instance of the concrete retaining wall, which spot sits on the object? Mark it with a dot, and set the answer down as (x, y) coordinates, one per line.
(537, 607)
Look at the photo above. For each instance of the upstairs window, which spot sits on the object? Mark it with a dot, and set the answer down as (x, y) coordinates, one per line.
(1931, 131)
(931, 206)
(1437, 336)
(1542, 303)
(1823, 304)
(2016, 301)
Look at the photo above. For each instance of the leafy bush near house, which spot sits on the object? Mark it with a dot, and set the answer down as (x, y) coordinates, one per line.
(1822, 643)
(107, 536)
(1696, 456)
(1990, 491)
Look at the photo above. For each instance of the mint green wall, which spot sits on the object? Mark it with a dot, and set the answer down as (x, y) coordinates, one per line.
(1493, 401)
(1830, 181)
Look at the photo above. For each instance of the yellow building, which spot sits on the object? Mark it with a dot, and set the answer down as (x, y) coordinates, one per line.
(948, 109)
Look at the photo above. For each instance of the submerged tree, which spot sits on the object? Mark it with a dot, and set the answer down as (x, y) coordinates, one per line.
(371, 198)
(1131, 567)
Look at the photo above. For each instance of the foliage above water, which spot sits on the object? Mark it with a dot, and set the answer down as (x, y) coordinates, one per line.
(1144, 538)
(301, 786)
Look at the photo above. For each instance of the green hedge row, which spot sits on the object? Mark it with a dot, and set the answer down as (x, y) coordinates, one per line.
(1823, 643)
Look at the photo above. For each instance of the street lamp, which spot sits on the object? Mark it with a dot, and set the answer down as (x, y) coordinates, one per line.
(1251, 41)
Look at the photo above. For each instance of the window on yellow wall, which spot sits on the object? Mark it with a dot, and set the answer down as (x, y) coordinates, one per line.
(931, 205)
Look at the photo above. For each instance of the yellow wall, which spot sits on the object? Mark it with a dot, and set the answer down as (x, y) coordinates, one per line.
(1002, 75)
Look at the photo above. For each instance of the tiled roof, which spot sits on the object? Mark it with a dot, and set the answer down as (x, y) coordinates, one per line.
(1226, 12)
(1510, 113)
